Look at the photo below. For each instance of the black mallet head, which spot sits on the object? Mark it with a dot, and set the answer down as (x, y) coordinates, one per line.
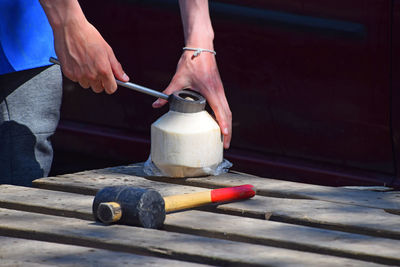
(139, 207)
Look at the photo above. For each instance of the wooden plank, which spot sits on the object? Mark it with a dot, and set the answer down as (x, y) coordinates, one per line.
(221, 226)
(158, 243)
(379, 250)
(46, 201)
(25, 252)
(390, 201)
(325, 214)
(90, 182)
(17, 263)
(321, 214)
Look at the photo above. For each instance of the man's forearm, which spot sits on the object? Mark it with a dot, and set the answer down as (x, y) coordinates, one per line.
(196, 23)
(62, 12)
(84, 54)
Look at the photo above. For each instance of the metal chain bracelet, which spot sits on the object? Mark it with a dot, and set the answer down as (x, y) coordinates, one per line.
(199, 50)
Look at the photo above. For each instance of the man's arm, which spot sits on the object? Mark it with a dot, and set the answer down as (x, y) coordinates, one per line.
(200, 72)
(84, 55)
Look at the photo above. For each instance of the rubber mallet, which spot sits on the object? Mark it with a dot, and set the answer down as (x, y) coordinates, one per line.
(147, 208)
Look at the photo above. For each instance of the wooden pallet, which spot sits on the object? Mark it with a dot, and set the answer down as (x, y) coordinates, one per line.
(286, 224)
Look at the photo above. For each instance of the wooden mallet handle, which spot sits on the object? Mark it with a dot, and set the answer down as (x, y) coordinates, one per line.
(192, 200)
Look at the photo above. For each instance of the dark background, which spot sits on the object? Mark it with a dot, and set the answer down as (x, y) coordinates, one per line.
(312, 86)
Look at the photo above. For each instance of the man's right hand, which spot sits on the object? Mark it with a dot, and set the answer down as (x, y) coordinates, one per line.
(84, 55)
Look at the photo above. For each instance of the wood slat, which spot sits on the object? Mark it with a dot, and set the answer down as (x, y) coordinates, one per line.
(157, 243)
(218, 225)
(90, 182)
(321, 241)
(17, 263)
(25, 252)
(317, 213)
(389, 201)
(320, 214)
(46, 201)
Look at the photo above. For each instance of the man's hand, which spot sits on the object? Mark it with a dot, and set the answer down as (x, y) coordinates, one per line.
(201, 74)
(84, 55)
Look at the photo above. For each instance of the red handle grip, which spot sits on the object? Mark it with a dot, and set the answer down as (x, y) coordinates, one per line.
(233, 193)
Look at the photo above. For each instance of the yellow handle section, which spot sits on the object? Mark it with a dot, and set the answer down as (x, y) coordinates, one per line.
(187, 201)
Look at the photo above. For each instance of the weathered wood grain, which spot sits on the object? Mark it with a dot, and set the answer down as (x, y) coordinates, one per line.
(317, 213)
(296, 237)
(25, 252)
(320, 214)
(91, 181)
(389, 201)
(218, 225)
(46, 201)
(158, 243)
(17, 263)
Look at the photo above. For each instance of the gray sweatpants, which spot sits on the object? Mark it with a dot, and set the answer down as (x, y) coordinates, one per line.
(29, 112)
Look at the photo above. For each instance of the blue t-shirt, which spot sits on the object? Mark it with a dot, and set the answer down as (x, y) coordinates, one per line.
(26, 38)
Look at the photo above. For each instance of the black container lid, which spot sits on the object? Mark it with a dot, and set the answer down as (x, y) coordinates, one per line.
(186, 101)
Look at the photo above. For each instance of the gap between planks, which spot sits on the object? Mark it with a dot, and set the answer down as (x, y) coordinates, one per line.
(26, 252)
(315, 213)
(389, 201)
(158, 243)
(218, 226)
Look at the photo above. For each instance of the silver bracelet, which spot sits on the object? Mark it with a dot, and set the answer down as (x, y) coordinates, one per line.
(199, 50)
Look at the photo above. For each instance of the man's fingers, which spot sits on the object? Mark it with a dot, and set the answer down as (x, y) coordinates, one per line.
(174, 85)
(226, 129)
(68, 72)
(223, 116)
(159, 103)
(97, 86)
(84, 84)
(116, 67)
(109, 83)
(227, 138)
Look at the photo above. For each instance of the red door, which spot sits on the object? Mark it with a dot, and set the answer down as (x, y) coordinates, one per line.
(315, 76)
(308, 83)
